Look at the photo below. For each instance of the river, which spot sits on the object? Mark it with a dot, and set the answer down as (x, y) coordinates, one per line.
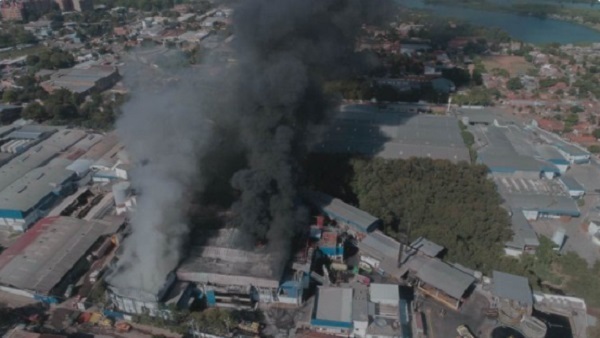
(524, 28)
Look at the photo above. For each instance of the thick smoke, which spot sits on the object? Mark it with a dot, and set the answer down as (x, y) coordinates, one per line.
(165, 135)
(267, 104)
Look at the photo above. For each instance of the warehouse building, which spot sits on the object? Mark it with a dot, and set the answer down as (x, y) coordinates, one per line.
(32, 181)
(137, 301)
(537, 197)
(82, 81)
(364, 129)
(381, 252)
(444, 283)
(30, 197)
(333, 311)
(231, 276)
(344, 214)
(500, 156)
(524, 239)
(575, 189)
(572, 153)
(549, 153)
(50, 256)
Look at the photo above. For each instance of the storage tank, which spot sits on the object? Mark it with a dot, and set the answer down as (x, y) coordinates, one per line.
(121, 191)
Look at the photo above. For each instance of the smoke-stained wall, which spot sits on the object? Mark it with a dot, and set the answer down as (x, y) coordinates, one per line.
(269, 102)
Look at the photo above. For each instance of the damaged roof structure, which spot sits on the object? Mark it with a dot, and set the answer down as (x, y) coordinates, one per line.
(221, 261)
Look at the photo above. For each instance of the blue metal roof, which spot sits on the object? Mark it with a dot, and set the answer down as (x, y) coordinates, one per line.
(291, 288)
(332, 251)
(330, 323)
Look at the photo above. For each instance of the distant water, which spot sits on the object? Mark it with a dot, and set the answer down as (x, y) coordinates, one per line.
(524, 28)
(590, 5)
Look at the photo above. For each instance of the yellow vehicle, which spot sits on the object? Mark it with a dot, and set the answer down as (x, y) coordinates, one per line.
(106, 322)
(252, 327)
(464, 331)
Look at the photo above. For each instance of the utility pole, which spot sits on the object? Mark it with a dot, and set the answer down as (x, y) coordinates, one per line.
(404, 243)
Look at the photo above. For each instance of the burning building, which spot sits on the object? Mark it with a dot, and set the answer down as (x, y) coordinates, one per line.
(233, 277)
(138, 301)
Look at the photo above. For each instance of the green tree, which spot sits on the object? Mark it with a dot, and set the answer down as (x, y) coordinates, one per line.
(455, 205)
(477, 78)
(514, 83)
(594, 149)
(9, 96)
(596, 133)
(35, 111)
(459, 76)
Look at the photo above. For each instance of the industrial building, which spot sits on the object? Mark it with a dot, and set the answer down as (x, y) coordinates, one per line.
(444, 282)
(574, 188)
(524, 239)
(82, 81)
(537, 198)
(31, 182)
(367, 130)
(502, 159)
(231, 276)
(513, 299)
(360, 311)
(50, 256)
(344, 214)
(138, 301)
(30, 197)
(333, 310)
(574, 154)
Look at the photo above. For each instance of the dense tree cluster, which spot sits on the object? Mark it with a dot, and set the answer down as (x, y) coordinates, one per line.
(50, 59)
(62, 107)
(15, 36)
(455, 205)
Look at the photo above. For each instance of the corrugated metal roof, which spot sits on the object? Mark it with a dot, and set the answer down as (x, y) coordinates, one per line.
(511, 287)
(384, 293)
(342, 212)
(392, 134)
(382, 243)
(571, 183)
(445, 277)
(38, 155)
(334, 304)
(523, 233)
(45, 253)
(427, 247)
(500, 155)
(571, 149)
(559, 205)
(24, 193)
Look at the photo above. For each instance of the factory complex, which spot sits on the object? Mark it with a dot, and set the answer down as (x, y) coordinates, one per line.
(56, 197)
(67, 193)
(532, 170)
(351, 279)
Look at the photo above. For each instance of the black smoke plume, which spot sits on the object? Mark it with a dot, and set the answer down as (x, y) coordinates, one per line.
(264, 107)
